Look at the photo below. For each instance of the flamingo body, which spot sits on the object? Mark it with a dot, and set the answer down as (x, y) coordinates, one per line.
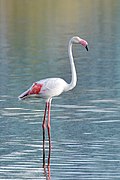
(50, 87)
(45, 88)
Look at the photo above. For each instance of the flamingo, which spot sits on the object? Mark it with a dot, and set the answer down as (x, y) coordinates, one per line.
(51, 87)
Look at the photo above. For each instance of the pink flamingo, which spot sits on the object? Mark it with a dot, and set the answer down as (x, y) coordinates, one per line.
(50, 87)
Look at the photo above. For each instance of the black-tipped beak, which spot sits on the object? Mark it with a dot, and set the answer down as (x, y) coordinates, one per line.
(86, 48)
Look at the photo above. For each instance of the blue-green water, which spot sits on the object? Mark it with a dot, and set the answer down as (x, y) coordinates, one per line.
(85, 122)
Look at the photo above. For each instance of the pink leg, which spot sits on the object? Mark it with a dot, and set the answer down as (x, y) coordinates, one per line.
(44, 119)
(49, 136)
(44, 126)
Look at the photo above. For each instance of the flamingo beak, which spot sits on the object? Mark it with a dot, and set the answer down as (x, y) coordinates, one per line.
(86, 48)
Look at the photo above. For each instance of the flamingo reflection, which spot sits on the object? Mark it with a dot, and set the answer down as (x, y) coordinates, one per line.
(46, 167)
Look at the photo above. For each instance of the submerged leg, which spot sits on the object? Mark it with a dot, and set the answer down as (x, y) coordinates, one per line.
(44, 127)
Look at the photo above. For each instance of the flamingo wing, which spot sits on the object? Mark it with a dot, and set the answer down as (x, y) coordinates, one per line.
(46, 88)
(34, 90)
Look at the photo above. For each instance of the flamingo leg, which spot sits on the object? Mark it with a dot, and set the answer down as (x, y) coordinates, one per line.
(49, 134)
(44, 127)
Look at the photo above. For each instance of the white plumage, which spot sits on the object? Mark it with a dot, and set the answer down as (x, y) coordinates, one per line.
(50, 87)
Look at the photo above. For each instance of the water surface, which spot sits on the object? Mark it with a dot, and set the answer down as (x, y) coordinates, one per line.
(85, 125)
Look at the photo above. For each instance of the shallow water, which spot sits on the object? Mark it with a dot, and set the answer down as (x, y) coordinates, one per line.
(85, 122)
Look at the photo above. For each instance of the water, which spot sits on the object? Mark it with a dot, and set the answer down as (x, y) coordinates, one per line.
(85, 122)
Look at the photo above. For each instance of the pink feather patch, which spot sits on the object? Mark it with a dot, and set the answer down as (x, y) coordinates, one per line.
(35, 88)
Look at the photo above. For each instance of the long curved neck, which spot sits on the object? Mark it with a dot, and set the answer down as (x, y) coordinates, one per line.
(73, 70)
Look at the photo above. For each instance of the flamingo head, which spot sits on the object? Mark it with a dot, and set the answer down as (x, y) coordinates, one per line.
(78, 40)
